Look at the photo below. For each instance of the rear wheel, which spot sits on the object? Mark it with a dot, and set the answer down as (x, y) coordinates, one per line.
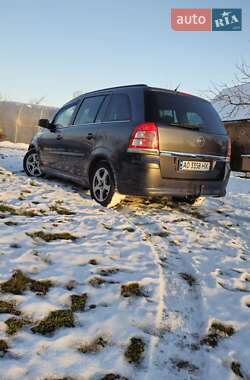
(31, 164)
(102, 184)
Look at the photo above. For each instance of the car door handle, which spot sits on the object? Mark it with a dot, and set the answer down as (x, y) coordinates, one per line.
(90, 136)
(59, 137)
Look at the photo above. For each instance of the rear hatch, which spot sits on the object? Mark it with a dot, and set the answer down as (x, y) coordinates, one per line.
(193, 142)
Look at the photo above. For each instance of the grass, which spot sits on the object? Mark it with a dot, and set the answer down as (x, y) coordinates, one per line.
(135, 350)
(113, 376)
(185, 365)
(14, 325)
(61, 210)
(129, 229)
(48, 236)
(97, 345)
(78, 302)
(131, 289)
(19, 283)
(55, 320)
(59, 378)
(98, 281)
(11, 223)
(236, 368)
(216, 332)
(161, 234)
(8, 308)
(188, 278)
(108, 271)
(3, 348)
(93, 262)
(5, 208)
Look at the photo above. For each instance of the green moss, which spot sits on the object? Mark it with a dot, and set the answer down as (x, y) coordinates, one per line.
(19, 283)
(61, 210)
(93, 262)
(14, 325)
(113, 376)
(162, 234)
(59, 378)
(131, 289)
(11, 223)
(236, 368)
(8, 308)
(55, 320)
(97, 345)
(108, 271)
(7, 208)
(129, 229)
(185, 365)
(33, 183)
(3, 348)
(47, 236)
(216, 332)
(188, 278)
(135, 350)
(107, 227)
(97, 281)
(78, 302)
(17, 211)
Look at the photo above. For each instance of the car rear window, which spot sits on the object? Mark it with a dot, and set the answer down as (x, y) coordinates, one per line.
(182, 111)
(118, 108)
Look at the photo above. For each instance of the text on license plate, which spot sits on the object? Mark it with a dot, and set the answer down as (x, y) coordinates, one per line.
(200, 166)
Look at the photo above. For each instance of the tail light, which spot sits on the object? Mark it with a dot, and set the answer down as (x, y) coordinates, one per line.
(229, 149)
(144, 139)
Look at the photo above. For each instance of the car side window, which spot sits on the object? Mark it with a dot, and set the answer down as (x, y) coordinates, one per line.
(102, 110)
(118, 109)
(63, 117)
(88, 110)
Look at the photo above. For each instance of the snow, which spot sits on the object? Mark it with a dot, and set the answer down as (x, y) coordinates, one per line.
(209, 242)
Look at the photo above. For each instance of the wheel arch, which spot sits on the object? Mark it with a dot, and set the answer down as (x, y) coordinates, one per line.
(98, 158)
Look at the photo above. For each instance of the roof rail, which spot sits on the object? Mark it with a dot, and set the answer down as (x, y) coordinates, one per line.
(114, 88)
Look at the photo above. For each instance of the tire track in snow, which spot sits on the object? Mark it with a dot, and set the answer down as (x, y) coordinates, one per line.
(177, 326)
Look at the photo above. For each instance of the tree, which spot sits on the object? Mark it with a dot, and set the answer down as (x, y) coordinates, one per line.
(233, 98)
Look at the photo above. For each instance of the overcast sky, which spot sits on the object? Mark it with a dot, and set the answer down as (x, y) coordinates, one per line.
(53, 48)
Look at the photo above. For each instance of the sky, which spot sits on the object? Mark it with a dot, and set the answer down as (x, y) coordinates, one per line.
(53, 48)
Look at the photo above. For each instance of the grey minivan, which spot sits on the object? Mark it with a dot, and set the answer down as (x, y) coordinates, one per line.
(137, 140)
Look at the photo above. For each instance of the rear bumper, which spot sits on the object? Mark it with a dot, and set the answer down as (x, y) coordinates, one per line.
(144, 178)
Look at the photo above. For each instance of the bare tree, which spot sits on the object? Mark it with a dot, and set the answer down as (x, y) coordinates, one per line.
(235, 96)
(37, 101)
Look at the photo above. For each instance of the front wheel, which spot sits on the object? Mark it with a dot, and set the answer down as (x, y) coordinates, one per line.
(102, 184)
(31, 164)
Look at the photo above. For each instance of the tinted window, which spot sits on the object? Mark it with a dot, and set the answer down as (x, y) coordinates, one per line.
(182, 111)
(63, 118)
(118, 108)
(88, 110)
(101, 113)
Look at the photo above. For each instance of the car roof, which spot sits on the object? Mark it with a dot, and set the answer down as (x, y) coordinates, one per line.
(132, 86)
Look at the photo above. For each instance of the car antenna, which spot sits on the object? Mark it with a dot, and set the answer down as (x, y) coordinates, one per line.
(177, 88)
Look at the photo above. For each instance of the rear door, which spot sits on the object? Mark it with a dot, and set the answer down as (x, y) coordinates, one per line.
(192, 139)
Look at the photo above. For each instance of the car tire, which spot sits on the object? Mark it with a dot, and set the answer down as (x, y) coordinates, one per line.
(31, 163)
(102, 183)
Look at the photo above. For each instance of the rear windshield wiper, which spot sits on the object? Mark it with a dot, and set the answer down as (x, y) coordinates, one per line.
(185, 125)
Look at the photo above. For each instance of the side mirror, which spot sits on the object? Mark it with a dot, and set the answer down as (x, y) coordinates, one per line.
(44, 123)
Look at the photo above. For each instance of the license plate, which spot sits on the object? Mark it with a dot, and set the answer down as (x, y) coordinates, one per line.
(195, 166)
